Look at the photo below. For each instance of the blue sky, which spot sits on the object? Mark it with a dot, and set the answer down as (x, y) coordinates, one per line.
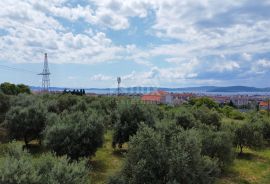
(168, 43)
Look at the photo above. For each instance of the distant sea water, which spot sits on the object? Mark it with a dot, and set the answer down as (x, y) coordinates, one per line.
(127, 91)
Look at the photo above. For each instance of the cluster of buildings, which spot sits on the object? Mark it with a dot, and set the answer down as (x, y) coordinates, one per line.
(163, 97)
(241, 101)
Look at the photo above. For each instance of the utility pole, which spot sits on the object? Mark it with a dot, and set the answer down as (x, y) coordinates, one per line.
(118, 85)
(45, 75)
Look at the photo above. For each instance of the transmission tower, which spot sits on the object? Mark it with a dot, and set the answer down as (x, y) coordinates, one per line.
(118, 85)
(45, 75)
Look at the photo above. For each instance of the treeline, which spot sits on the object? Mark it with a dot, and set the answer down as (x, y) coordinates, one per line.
(74, 92)
(13, 89)
(186, 144)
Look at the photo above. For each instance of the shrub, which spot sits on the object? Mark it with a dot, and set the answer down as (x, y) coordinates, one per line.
(207, 116)
(20, 167)
(156, 158)
(76, 134)
(250, 135)
(26, 122)
(130, 117)
(185, 119)
(217, 144)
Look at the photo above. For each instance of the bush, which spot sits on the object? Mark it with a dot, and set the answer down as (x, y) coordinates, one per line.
(207, 116)
(204, 101)
(156, 158)
(26, 122)
(12, 89)
(4, 106)
(217, 144)
(130, 117)
(185, 119)
(20, 167)
(75, 134)
(250, 135)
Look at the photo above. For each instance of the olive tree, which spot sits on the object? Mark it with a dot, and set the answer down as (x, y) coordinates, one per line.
(217, 145)
(207, 116)
(249, 134)
(154, 157)
(19, 166)
(130, 117)
(26, 123)
(185, 119)
(75, 134)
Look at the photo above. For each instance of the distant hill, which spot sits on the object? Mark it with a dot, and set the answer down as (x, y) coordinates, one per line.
(239, 89)
(201, 89)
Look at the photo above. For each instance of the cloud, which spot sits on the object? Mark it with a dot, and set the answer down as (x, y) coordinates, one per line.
(264, 63)
(247, 56)
(101, 77)
(174, 41)
(225, 66)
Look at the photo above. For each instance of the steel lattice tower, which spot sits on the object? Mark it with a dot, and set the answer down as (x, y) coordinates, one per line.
(45, 75)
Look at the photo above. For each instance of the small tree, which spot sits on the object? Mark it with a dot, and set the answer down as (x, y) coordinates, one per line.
(26, 122)
(75, 135)
(130, 117)
(23, 89)
(185, 119)
(217, 145)
(249, 135)
(207, 116)
(204, 101)
(156, 158)
(9, 89)
(20, 167)
(4, 106)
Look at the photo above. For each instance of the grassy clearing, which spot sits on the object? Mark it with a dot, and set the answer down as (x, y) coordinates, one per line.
(253, 167)
(106, 162)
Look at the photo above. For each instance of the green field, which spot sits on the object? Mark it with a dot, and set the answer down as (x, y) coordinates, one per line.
(252, 167)
(106, 162)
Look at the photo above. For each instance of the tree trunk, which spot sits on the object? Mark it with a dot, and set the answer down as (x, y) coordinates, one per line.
(25, 141)
(241, 150)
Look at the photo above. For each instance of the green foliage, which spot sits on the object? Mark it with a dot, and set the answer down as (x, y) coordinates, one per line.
(250, 135)
(20, 167)
(130, 117)
(217, 144)
(232, 113)
(153, 157)
(23, 89)
(26, 122)
(75, 134)
(65, 102)
(4, 103)
(204, 101)
(12, 89)
(185, 119)
(207, 116)
(4, 106)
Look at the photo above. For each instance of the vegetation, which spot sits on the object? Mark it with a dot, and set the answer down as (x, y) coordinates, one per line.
(75, 135)
(12, 89)
(20, 167)
(79, 139)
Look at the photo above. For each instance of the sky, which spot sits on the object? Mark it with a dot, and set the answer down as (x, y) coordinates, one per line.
(159, 43)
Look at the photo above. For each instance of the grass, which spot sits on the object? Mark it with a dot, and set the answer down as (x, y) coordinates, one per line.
(106, 162)
(253, 167)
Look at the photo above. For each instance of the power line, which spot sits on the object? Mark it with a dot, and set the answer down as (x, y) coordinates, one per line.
(16, 69)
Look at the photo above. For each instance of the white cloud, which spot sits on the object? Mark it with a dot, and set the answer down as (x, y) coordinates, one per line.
(264, 63)
(101, 77)
(225, 66)
(247, 56)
